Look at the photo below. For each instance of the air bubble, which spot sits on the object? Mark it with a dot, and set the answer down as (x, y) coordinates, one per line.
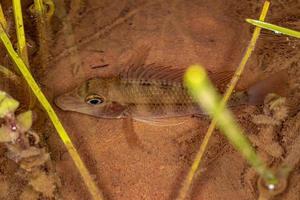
(14, 128)
(277, 32)
(271, 186)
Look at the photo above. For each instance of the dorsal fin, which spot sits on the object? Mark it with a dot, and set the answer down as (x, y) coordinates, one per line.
(221, 79)
(136, 69)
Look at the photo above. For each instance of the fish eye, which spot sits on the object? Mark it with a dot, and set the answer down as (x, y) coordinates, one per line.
(94, 99)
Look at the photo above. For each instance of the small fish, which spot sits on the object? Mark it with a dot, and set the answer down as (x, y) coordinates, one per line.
(149, 92)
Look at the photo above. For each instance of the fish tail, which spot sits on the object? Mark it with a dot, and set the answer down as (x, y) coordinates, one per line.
(276, 83)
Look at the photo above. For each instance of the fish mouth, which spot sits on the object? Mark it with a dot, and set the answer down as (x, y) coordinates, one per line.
(72, 102)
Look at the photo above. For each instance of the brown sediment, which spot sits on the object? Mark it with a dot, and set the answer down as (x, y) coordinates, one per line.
(212, 33)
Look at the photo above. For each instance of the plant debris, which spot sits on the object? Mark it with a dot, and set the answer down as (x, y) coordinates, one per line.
(33, 159)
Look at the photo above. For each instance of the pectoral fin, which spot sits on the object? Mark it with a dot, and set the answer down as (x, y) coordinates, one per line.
(112, 110)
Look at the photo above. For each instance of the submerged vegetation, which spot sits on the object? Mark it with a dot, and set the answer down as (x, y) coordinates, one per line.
(20, 62)
(275, 28)
(205, 94)
(203, 91)
(24, 147)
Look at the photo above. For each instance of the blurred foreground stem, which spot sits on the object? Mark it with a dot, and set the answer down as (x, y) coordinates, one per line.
(206, 96)
(196, 163)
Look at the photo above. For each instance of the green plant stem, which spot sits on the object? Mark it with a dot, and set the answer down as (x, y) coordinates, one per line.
(22, 47)
(89, 181)
(206, 96)
(2, 19)
(275, 28)
(9, 74)
(44, 33)
(197, 160)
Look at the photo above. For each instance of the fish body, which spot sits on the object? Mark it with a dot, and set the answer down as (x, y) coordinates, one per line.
(124, 97)
(149, 92)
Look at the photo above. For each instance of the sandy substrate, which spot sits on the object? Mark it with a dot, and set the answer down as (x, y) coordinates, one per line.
(180, 33)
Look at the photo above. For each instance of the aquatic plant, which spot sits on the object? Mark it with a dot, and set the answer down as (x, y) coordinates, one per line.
(43, 11)
(19, 62)
(189, 178)
(24, 148)
(275, 28)
(275, 112)
(21, 42)
(3, 21)
(204, 93)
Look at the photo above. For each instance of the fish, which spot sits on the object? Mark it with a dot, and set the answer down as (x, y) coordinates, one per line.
(152, 92)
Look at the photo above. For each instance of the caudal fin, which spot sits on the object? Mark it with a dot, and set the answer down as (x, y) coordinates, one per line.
(277, 83)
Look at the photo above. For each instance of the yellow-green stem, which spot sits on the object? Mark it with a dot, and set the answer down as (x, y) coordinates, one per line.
(275, 28)
(89, 181)
(22, 47)
(206, 96)
(2, 19)
(9, 74)
(197, 160)
(44, 33)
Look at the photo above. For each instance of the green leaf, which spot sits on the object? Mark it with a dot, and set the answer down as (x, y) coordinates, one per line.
(275, 28)
(7, 104)
(25, 120)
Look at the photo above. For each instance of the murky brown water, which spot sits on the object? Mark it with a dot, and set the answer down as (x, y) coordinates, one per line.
(213, 33)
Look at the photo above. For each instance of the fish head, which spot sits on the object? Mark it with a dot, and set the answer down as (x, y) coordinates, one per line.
(91, 98)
